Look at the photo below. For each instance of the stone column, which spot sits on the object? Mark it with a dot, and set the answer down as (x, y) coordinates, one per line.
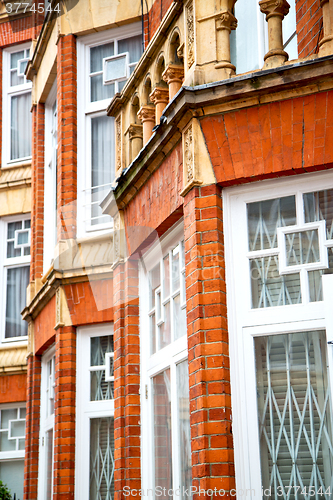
(275, 11)
(147, 116)
(225, 22)
(160, 97)
(326, 44)
(134, 132)
(173, 76)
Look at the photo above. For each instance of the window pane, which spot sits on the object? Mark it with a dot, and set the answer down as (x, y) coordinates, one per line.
(164, 329)
(166, 276)
(49, 464)
(99, 346)
(289, 29)
(116, 68)
(154, 283)
(99, 91)
(179, 318)
(20, 127)
(101, 484)
(132, 45)
(294, 411)
(319, 206)
(302, 247)
(184, 430)
(175, 269)
(315, 283)
(269, 288)
(97, 54)
(162, 432)
(244, 40)
(12, 474)
(17, 282)
(100, 389)
(102, 163)
(152, 334)
(14, 58)
(264, 217)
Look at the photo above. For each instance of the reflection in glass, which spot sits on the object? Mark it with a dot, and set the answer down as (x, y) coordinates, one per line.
(184, 430)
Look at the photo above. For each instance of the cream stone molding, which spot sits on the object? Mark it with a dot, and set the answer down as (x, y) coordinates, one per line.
(159, 95)
(63, 317)
(118, 144)
(197, 166)
(118, 238)
(134, 131)
(146, 113)
(190, 48)
(275, 11)
(326, 43)
(13, 359)
(31, 338)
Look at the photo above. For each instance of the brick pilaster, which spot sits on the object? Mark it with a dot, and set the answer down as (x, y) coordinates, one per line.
(32, 428)
(37, 184)
(67, 137)
(64, 426)
(210, 400)
(127, 377)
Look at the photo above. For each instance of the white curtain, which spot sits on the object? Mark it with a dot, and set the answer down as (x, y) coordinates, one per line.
(20, 126)
(17, 282)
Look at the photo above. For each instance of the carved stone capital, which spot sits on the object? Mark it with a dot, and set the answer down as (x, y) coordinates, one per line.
(146, 113)
(159, 94)
(226, 21)
(274, 8)
(134, 131)
(173, 73)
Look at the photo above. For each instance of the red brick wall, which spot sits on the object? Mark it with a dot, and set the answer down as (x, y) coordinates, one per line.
(20, 30)
(210, 399)
(127, 378)
(67, 137)
(159, 204)
(44, 326)
(90, 302)
(13, 388)
(32, 428)
(64, 425)
(309, 23)
(271, 140)
(154, 18)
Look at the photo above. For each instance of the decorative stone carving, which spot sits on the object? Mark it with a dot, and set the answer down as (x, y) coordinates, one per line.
(173, 76)
(119, 141)
(225, 23)
(275, 11)
(160, 97)
(147, 116)
(189, 155)
(326, 43)
(134, 131)
(59, 319)
(190, 34)
(30, 347)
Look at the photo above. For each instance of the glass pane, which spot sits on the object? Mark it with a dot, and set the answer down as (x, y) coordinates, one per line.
(294, 411)
(152, 334)
(164, 329)
(116, 68)
(23, 238)
(49, 464)
(289, 29)
(11, 228)
(319, 206)
(97, 54)
(132, 45)
(315, 283)
(7, 415)
(17, 429)
(121, 85)
(162, 432)
(166, 276)
(12, 474)
(20, 126)
(11, 251)
(302, 247)
(269, 288)
(102, 163)
(101, 484)
(183, 253)
(98, 347)
(17, 282)
(27, 224)
(15, 79)
(99, 91)
(264, 217)
(244, 40)
(14, 58)
(184, 430)
(175, 269)
(154, 283)
(100, 390)
(179, 315)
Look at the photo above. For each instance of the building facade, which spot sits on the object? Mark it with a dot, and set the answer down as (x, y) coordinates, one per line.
(178, 307)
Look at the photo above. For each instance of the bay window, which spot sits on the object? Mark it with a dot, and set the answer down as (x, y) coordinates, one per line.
(12, 436)
(278, 253)
(166, 443)
(105, 62)
(95, 412)
(16, 105)
(14, 274)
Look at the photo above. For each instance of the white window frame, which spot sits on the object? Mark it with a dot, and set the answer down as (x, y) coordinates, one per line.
(86, 409)
(46, 425)
(18, 455)
(88, 110)
(245, 323)
(50, 182)
(5, 264)
(8, 92)
(151, 365)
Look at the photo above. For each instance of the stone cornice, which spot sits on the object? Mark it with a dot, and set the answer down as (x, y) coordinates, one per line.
(290, 80)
